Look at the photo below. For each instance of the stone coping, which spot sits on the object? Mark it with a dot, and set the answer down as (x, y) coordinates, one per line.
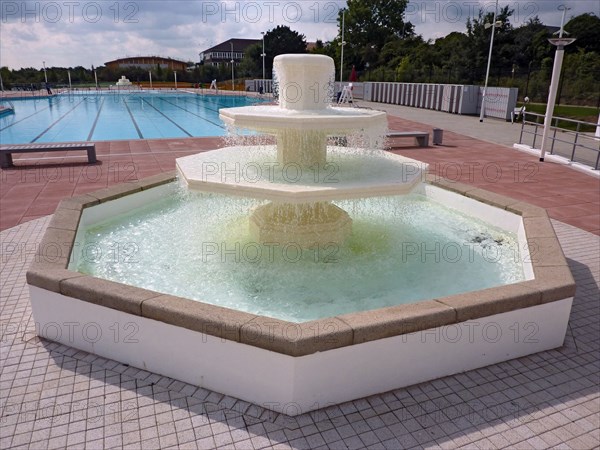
(553, 281)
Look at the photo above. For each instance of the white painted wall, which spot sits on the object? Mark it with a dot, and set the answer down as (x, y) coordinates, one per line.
(297, 385)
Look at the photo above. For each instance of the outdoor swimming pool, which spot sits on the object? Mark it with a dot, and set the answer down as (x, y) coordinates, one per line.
(116, 115)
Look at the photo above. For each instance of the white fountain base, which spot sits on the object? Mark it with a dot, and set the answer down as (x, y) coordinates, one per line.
(296, 385)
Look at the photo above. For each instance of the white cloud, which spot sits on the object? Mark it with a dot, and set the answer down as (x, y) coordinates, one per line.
(71, 33)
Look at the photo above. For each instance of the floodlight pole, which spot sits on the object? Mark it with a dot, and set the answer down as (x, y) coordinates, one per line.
(489, 63)
(263, 61)
(150, 74)
(69, 75)
(560, 44)
(342, 44)
(232, 72)
(45, 75)
(175, 74)
(96, 78)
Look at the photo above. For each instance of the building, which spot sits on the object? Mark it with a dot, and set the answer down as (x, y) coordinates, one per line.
(147, 62)
(222, 53)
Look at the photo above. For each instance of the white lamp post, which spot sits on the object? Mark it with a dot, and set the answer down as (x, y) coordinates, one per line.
(263, 61)
(150, 75)
(45, 75)
(494, 25)
(232, 72)
(560, 43)
(69, 75)
(342, 44)
(175, 74)
(96, 78)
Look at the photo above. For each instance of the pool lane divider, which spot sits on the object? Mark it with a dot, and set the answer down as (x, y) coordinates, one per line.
(56, 121)
(30, 115)
(202, 105)
(224, 105)
(166, 117)
(220, 125)
(89, 138)
(133, 120)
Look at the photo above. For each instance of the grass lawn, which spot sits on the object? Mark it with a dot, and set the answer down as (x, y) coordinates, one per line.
(583, 113)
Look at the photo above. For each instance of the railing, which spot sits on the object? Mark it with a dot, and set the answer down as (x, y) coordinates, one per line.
(568, 142)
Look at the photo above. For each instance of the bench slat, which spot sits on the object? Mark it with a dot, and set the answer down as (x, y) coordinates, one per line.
(407, 133)
(46, 146)
(6, 151)
(422, 137)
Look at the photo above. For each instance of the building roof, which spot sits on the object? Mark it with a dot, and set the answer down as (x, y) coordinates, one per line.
(239, 45)
(162, 58)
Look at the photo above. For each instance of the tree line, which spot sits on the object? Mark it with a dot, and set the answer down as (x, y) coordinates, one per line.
(382, 46)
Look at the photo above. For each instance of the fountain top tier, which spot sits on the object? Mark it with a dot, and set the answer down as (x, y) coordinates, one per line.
(304, 83)
(306, 87)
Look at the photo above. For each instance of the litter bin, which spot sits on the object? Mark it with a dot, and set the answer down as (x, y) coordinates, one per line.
(438, 136)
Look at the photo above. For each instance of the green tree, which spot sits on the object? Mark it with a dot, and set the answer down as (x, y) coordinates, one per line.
(278, 41)
(451, 55)
(586, 29)
(251, 65)
(7, 77)
(282, 40)
(321, 48)
(160, 73)
(404, 70)
(479, 42)
(371, 24)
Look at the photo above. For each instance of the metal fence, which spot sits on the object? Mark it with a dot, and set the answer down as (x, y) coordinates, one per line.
(580, 144)
(451, 98)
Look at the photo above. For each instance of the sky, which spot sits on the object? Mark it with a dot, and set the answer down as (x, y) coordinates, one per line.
(84, 33)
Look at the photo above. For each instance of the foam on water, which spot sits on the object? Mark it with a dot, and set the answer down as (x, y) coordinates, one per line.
(402, 250)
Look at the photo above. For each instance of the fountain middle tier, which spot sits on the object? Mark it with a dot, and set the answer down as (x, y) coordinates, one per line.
(255, 172)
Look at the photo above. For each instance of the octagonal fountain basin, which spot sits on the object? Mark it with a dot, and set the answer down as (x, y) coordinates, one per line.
(442, 280)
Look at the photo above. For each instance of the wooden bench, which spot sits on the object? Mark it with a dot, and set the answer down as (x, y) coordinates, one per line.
(6, 151)
(421, 137)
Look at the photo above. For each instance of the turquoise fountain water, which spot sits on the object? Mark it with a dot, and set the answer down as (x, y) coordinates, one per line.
(302, 229)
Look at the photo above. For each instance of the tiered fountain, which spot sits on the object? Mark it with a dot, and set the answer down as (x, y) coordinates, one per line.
(302, 211)
(123, 82)
(136, 286)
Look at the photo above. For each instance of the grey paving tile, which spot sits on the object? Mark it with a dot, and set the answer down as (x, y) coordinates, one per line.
(70, 398)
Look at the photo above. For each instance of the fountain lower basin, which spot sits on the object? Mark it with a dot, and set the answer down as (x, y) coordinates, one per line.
(293, 367)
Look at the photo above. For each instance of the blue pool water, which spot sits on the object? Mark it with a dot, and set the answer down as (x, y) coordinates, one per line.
(113, 116)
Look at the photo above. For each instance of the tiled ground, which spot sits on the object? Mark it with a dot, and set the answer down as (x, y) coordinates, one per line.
(567, 195)
(53, 396)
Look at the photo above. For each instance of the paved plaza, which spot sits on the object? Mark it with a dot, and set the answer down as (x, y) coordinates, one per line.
(54, 396)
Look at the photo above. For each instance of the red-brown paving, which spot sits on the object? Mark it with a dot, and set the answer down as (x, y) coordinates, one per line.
(35, 187)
